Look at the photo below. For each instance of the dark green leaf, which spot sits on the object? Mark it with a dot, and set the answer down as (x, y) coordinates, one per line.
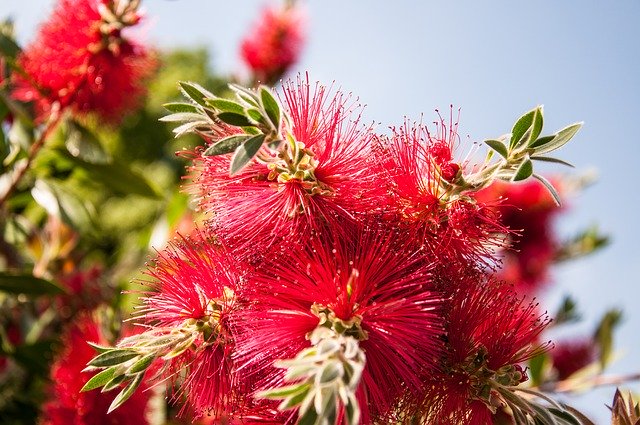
(82, 143)
(115, 382)
(604, 335)
(181, 107)
(99, 379)
(113, 357)
(245, 153)
(141, 365)
(8, 47)
(226, 145)
(524, 170)
(28, 285)
(499, 147)
(560, 139)
(536, 127)
(271, 106)
(255, 115)
(234, 119)
(567, 313)
(552, 190)
(542, 141)
(195, 92)
(565, 416)
(247, 96)
(99, 348)
(552, 160)
(224, 105)
(126, 393)
(520, 128)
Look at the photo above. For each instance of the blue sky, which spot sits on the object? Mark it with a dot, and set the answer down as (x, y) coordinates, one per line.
(495, 60)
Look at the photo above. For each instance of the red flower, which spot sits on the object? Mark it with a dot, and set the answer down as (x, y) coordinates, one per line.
(419, 168)
(571, 356)
(528, 210)
(274, 44)
(489, 332)
(373, 285)
(267, 205)
(194, 291)
(81, 60)
(67, 405)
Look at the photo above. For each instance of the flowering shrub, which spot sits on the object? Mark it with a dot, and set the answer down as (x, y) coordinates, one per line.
(326, 272)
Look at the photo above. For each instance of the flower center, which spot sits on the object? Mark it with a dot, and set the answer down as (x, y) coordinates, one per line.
(328, 319)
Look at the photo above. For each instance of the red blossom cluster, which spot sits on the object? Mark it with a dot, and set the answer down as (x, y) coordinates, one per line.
(341, 274)
(82, 60)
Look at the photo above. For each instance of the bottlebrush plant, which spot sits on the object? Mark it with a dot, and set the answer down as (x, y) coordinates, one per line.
(311, 270)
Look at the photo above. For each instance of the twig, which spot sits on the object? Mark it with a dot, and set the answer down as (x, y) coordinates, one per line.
(571, 385)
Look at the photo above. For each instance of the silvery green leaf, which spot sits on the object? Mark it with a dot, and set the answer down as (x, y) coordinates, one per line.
(353, 410)
(113, 382)
(499, 147)
(294, 399)
(181, 107)
(224, 105)
(560, 139)
(553, 160)
(552, 190)
(245, 152)
(271, 107)
(245, 95)
(141, 365)
(520, 128)
(524, 170)
(195, 92)
(330, 372)
(234, 119)
(113, 357)
(282, 392)
(226, 145)
(182, 117)
(125, 393)
(99, 379)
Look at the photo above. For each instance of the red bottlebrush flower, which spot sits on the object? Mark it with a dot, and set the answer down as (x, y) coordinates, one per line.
(326, 186)
(67, 405)
(419, 168)
(373, 285)
(571, 356)
(528, 210)
(490, 330)
(80, 60)
(274, 44)
(194, 291)
(84, 292)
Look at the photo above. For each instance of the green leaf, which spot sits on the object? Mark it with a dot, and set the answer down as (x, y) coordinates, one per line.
(552, 160)
(82, 143)
(141, 365)
(245, 152)
(560, 139)
(8, 47)
(28, 285)
(255, 115)
(99, 379)
(283, 392)
(224, 105)
(99, 348)
(542, 141)
(499, 147)
(271, 107)
(536, 127)
(520, 128)
(604, 335)
(234, 119)
(552, 190)
(196, 92)
(125, 393)
(60, 202)
(537, 366)
(226, 145)
(245, 95)
(567, 313)
(524, 170)
(113, 357)
(181, 107)
(113, 383)
(182, 117)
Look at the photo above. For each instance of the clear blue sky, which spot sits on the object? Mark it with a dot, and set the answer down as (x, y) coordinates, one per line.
(495, 60)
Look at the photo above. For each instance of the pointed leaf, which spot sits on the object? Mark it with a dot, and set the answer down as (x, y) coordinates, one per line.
(99, 380)
(552, 160)
(234, 119)
(246, 152)
(8, 47)
(141, 365)
(27, 284)
(113, 357)
(83, 144)
(113, 383)
(524, 171)
(282, 392)
(499, 147)
(99, 348)
(182, 117)
(536, 127)
(560, 139)
(195, 92)
(604, 335)
(224, 105)
(552, 190)
(226, 145)
(125, 393)
(542, 141)
(271, 107)
(181, 107)
(520, 128)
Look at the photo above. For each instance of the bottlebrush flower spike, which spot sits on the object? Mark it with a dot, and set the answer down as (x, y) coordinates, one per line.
(490, 330)
(370, 289)
(194, 290)
(81, 60)
(67, 405)
(274, 44)
(571, 356)
(422, 174)
(311, 167)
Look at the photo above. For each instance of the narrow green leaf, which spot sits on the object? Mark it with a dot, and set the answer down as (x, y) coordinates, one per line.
(234, 119)
(141, 365)
(542, 141)
(27, 284)
(499, 147)
(520, 128)
(8, 47)
(113, 357)
(537, 366)
(565, 416)
(224, 105)
(99, 348)
(245, 152)
(125, 393)
(195, 92)
(115, 382)
(99, 379)
(271, 107)
(294, 399)
(245, 95)
(552, 160)
(255, 115)
(524, 171)
(560, 139)
(82, 143)
(536, 127)
(604, 335)
(282, 392)
(182, 117)
(226, 145)
(181, 107)
(552, 190)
